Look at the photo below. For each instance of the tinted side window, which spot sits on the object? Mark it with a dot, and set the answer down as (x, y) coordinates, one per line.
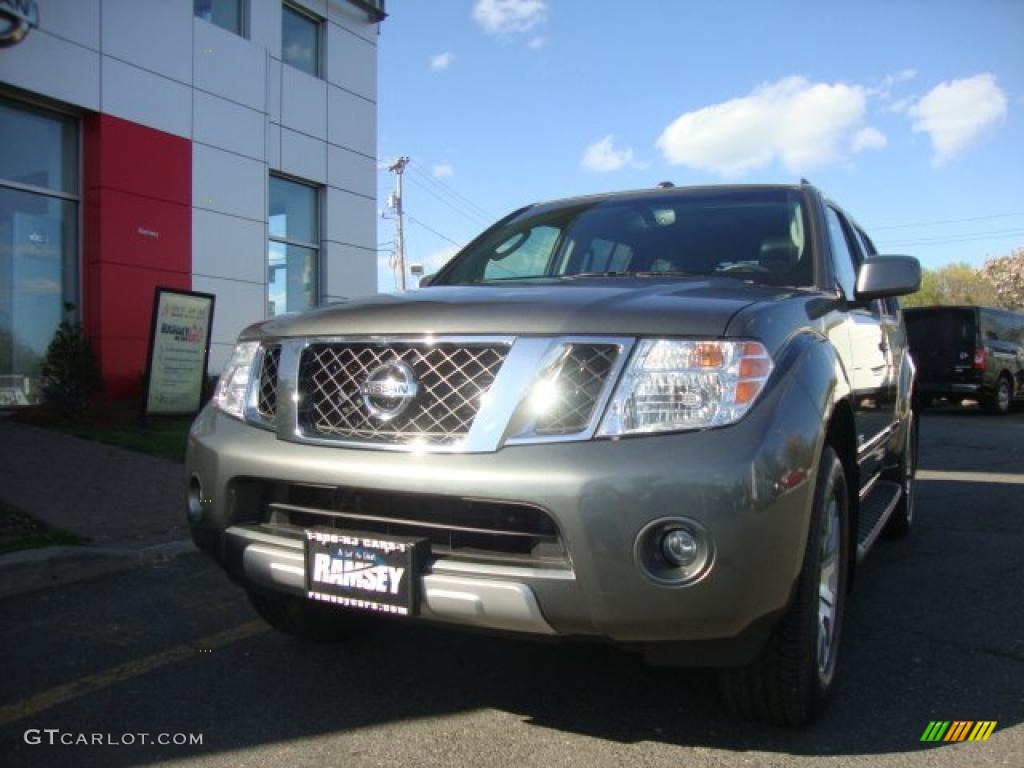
(842, 258)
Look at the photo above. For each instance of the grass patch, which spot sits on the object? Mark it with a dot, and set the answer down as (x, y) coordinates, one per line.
(166, 438)
(117, 424)
(19, 530)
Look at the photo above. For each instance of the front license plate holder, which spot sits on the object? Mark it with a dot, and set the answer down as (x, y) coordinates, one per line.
(365, 571)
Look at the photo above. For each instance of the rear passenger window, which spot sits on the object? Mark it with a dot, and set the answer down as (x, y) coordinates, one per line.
(842, 258)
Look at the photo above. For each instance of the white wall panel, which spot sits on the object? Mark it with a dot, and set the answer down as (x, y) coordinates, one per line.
(44, 64)
(142, 97)
(228, 125)
(351, 218)
(228, 247)
(303, 156)
(274, 146)
(303, 102)
(153, 34)
(274, 89)
(351, 171)
(353, 19)
(265, 25)
(351, 62)
(350, 272)
(77, 20)
(351, 121)
(222, 181)
(220, 353)
(230, 66)
(238, 305)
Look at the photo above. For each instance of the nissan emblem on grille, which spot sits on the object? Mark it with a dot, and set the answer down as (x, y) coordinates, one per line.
(389, 389)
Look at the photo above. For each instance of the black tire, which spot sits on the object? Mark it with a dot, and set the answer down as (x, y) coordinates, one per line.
(786, 684)
(901, 521)
(304, 619)
(998, 403)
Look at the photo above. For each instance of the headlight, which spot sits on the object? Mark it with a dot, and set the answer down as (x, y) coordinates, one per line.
(674, 385)
(233, 384)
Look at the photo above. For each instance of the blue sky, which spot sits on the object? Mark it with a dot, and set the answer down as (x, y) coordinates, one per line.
(905, 113)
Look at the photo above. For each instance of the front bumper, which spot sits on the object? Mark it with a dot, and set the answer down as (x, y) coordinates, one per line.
(749, 485)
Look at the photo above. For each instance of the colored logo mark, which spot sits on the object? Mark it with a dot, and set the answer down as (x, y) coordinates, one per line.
(958, 730)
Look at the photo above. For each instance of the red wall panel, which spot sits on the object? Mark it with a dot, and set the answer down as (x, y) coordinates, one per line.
(137, 235)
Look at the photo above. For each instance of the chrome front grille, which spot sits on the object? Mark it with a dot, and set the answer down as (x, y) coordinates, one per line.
(266, 396)
(579, 379)
(451, 380)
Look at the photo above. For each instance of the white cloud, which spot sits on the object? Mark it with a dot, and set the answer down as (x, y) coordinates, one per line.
(442, 170)
(438, 259)
(442, 61)
(536, 43)
(885, 85)
(796, 122)
(868, 138)
(501, 17)
(955, 113)
(602, 156)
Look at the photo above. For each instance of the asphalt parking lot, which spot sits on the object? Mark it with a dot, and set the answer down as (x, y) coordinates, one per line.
(935, 631)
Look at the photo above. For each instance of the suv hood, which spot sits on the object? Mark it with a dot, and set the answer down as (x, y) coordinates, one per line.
(608, 306)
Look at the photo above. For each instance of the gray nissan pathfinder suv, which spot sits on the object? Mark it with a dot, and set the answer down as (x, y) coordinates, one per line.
(675, 420)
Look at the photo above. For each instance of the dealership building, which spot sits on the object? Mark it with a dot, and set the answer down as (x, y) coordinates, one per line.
(220, 146)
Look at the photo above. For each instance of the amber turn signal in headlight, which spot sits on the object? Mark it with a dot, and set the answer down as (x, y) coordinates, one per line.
(675, 384)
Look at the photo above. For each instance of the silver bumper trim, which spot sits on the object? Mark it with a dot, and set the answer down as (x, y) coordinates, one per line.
(479, 602)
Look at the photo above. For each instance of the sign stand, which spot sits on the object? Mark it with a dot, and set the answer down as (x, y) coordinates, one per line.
(179, 351)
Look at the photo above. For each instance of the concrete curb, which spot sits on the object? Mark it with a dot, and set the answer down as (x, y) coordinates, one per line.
(34, 569)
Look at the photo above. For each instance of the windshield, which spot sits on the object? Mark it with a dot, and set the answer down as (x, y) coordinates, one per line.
(749, 234)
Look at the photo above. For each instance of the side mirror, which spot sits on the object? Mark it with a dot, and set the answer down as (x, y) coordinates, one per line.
(425, 280)
(882, 276)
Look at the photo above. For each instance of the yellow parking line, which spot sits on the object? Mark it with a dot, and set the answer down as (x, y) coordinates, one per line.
(971, 477)
(90, 683)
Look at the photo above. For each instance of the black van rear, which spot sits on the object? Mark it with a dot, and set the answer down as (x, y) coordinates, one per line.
(974, 352)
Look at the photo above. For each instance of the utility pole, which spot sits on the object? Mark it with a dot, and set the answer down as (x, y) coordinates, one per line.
(396, 205)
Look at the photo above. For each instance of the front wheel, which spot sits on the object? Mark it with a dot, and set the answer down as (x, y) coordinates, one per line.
(789, 682)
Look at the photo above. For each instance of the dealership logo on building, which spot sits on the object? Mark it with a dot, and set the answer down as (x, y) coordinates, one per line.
(17, 17)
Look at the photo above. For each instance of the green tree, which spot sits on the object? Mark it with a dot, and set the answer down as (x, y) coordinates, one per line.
(954, 284)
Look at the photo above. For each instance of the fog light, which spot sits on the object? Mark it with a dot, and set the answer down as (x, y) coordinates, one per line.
(674, 551)
(195, 500)
(679, 547)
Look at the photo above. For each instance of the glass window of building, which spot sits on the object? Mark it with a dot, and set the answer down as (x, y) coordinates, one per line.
(293, 251)
(300, 40)
(38, 242)
(226, 14)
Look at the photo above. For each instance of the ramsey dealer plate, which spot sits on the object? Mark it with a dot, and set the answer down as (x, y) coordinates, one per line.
(364, 571)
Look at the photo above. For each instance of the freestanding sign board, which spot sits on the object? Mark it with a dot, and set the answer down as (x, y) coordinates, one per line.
(179, 348)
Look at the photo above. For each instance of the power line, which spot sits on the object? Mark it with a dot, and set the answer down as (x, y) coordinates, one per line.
(454, 193)
(965, 238)
(434, 231)
(467, 213)
(948, 221)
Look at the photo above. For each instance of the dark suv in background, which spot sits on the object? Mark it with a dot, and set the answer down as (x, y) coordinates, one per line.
(968, 352)
(675, 420)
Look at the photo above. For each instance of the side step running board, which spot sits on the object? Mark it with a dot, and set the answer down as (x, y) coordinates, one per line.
(875, 509)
